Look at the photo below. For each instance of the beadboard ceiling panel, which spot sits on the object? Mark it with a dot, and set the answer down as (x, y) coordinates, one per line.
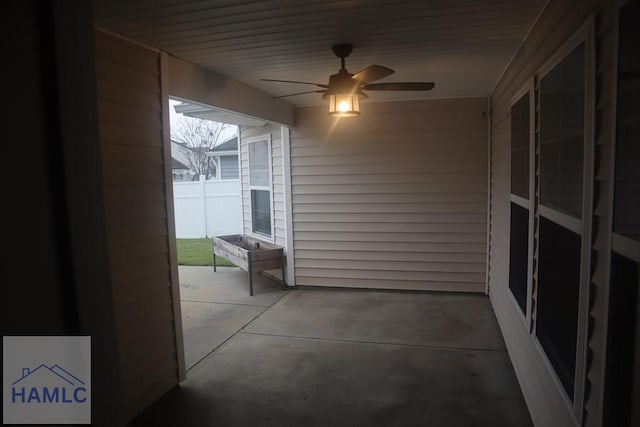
(461, 45)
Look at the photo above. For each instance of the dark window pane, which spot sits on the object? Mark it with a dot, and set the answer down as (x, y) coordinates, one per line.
(520, 147)
(261, 211)
(519, 254)
(557, 298)
(562, 134)
(626, 216)
(621, 342)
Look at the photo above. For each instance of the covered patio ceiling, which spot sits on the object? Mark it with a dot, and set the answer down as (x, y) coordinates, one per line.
(461, 45)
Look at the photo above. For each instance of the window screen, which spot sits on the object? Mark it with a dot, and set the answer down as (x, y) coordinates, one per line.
(562, 134)
(621, 342)
(259, 184)
(261, 211)
(259, 164)
(557, 298)
(520, 147)
(519, 254)
(626, 217)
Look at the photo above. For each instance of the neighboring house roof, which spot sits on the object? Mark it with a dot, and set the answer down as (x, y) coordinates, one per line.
(228, 145)
(176, 164)
(180, 152)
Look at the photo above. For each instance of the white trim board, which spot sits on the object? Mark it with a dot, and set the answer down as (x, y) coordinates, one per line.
(288, 205)
(171, 224)
(192, 82)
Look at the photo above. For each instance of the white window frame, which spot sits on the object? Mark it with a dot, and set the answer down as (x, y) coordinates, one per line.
(585, 34)
(528, 203)
(269, 188)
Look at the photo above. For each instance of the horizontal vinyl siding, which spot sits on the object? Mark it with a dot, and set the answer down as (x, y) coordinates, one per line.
(130, 123)
(229, 167)
(393, 199)
(559, 21)
(277, 189)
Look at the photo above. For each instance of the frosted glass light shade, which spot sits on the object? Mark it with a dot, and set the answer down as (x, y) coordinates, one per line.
(344, 105)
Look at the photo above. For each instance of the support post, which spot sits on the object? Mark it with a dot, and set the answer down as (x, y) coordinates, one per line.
(213, 245)
(250, 268)
(250, 280)
(284, 277)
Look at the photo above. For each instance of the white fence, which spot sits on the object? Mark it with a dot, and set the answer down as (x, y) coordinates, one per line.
(207, 208)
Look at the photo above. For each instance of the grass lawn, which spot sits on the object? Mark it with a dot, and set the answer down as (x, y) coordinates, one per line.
(198, 252)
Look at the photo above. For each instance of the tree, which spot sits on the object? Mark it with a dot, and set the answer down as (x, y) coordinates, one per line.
(200, 136)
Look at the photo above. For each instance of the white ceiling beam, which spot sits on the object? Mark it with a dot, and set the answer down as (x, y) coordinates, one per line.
(191, 82)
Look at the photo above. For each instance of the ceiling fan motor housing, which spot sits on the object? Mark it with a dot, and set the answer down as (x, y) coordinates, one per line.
(342, 82)
(342, 50)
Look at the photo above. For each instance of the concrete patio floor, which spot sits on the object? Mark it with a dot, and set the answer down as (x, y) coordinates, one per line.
(334, 357)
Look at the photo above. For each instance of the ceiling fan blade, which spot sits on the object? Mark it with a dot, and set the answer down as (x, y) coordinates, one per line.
(372, 73)
(299, 93)
(400, 86)
(293, 81)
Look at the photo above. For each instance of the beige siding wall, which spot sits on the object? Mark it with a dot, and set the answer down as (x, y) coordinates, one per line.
(130, 123)
(393, 199)
(559, 21)
(278, 220)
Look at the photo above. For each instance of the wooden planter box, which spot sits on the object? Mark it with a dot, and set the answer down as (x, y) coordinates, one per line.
(249, 253)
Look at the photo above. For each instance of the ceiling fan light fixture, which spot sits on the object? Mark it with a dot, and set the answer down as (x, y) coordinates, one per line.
(344, 95)
(345, 90)
(344, 105)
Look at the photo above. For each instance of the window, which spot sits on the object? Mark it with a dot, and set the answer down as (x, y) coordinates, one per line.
(622, 371)
(562, 134)
(260, 186)
(564, 231)
(521, 156)
(261, 212)
(622, 342)
(520, 143)
(519, 255)
(626, 214)
(557, 298)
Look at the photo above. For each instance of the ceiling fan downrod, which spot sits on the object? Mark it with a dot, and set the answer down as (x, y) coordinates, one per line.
(342, 50)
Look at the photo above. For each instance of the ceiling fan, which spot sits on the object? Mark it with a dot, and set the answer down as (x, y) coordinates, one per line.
(345, 89)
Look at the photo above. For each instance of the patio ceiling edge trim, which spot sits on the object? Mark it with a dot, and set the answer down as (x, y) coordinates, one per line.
(195, 83)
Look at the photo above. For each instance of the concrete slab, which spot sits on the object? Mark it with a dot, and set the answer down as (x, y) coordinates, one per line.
(432, 319)
(259, 380)
(227, 285)
(338, 358)
(207, 325)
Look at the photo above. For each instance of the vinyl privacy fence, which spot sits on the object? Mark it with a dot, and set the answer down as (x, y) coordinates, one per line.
(207, 208)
